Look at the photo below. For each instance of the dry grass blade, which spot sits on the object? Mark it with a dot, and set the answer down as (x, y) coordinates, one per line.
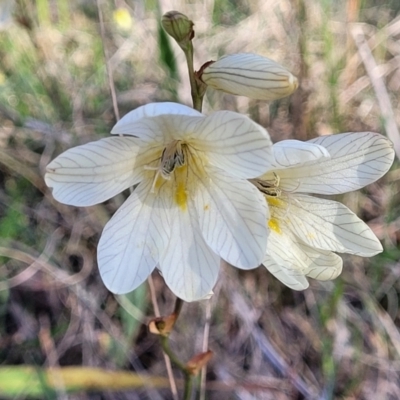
(379, 87)
(107, 62)
(244, 311)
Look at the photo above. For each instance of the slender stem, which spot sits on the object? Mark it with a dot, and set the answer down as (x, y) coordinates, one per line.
(180, 365)
(171, 378)
(178, 306)
(202, 393)
(197, 97)
(188, 387)
(174, 358)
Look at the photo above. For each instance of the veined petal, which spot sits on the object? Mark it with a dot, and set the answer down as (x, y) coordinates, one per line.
(325, 265)
(124, 125)
(289, 153)
(292, 279)
(188, 265)
(327, 225)
(250, 75)
(282, 247)
(132, 241)
(357, 159)
(233, 143)
(232, 215)
(299, 259)
(94, 172)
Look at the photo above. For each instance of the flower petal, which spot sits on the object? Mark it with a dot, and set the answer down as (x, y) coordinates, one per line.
(293, 280)
(233, 143)
(325, 264)
(282, 247)
(94, 172)
(124, 125)
(288, 258)
(232, 215)
(250, 75)
(357, 159)
(189, 267)
(289, 153)
(132, 241)
(326, 224)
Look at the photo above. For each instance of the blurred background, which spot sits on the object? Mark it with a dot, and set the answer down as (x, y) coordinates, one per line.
(61, 65)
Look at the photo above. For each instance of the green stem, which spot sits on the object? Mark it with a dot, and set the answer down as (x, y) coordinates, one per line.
(188, 387)
(180, 365)
(173, 357)
(197, 97)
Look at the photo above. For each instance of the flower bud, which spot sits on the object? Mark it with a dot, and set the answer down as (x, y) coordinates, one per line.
(179, 26)
(249, 75)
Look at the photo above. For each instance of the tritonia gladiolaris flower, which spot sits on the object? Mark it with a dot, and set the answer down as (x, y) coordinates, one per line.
(250, 75)
(306, 230)
(192, 204)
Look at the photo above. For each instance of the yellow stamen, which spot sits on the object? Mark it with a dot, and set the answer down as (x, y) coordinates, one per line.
(180, 191)
(159, 180)
(274, 201)
(274, 225)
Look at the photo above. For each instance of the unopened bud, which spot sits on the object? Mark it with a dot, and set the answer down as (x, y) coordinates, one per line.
(249, 75)
(179, 26)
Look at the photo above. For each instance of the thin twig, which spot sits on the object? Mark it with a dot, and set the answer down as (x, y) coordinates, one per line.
(206, 335)
(156, 309)
(243, 310)
(109, 70)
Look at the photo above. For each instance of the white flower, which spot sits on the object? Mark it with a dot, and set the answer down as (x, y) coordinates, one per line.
(250, 75)
(305, 230)
(193, 203)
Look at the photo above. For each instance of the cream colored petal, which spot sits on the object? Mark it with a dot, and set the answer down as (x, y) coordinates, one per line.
(357, 159)
(126, 125)
(133, 240)
(190, 268)
(232, 215)
(325, 265)
(290, 260)
(293, 280)
(233, 142)
(291, 153)
(250, 75)
(327, 225)
(282, 247)
(94, 172)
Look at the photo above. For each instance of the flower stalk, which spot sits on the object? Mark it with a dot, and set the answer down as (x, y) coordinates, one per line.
(198, 88)
(163, 326)
(180, 27)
